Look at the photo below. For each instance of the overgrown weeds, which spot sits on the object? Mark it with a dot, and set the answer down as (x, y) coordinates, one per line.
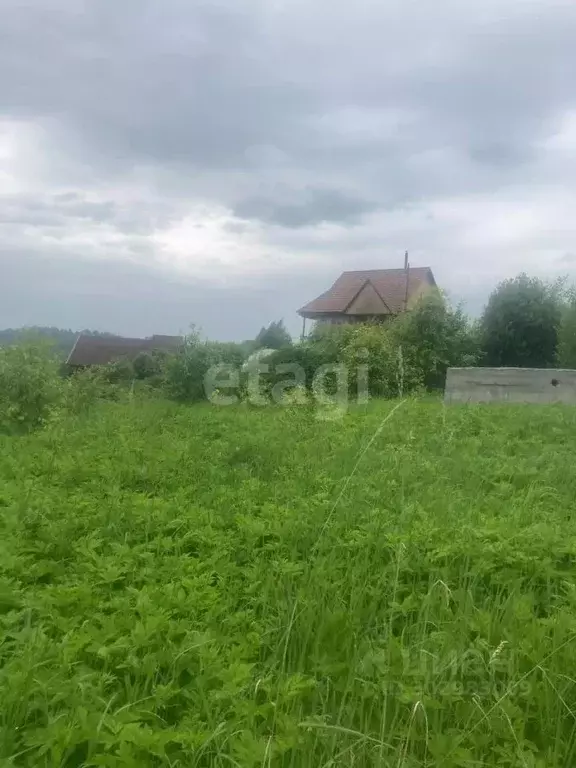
(178, 588)
(29, 386)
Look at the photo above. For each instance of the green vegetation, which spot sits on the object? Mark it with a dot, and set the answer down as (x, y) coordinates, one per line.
(404, 355)
(522, 321)
(30, 386)
(275, 336)
(567, 332)
(527, 322)
(201, 586)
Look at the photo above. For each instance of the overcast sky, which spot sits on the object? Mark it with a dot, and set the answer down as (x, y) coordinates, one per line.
(220, 162)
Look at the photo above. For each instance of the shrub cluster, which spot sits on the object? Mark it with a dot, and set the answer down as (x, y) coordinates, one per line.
(35, 388)
(406, 354)
(400, 357)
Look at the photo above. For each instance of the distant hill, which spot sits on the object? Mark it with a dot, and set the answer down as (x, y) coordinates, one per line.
(63, 338)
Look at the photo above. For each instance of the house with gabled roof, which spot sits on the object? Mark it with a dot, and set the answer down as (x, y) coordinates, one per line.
(366, 295)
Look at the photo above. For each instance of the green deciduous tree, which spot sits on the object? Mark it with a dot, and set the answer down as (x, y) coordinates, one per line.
(567, 333)
(519, 326)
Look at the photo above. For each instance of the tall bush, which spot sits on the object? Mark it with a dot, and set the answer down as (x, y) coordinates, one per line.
(388, 374)
(324, 347)
(434, 336)
(30, 385)
(185, 370)
(83, 388)
(411, 351)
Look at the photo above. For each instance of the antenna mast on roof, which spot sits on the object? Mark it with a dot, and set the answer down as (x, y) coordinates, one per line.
(407, 271)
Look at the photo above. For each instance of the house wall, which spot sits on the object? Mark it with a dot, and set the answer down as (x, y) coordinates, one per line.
(352, 319)
(510, 385)
(336, 319)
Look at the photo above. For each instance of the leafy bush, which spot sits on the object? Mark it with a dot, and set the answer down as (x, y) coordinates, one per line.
(147, 365)
(399, 357)
(228, 352)
(374, 348)
(84, 388)
(433, 337)
(118, 372)
(309, 356)
(34, 389)
(185, 371)
(30, 385)
(331, 339)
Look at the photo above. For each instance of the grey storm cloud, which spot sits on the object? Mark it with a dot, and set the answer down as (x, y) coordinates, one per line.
(62, 209)
(166, 81)
(288, 115)
(205, 85)
(313, 206)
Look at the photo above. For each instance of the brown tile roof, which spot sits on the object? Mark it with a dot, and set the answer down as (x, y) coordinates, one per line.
(161, 341)
(102, 350)
(390, 284)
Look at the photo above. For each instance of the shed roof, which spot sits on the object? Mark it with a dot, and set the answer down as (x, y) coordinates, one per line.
(102, 350)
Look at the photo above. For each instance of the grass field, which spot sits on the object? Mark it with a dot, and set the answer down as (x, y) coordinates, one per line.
(237, 587)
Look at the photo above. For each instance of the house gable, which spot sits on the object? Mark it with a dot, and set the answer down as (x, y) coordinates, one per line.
(368, 302)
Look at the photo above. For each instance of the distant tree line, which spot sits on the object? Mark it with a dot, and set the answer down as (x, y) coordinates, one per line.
(62, 339)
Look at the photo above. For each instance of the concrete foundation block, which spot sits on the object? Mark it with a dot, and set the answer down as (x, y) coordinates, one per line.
(510, 385)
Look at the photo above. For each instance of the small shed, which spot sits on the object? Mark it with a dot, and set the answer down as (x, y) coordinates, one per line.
(103, 350)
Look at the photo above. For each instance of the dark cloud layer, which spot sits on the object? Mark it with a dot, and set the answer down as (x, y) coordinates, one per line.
(203, 84)
(291, 118)
(311, 206)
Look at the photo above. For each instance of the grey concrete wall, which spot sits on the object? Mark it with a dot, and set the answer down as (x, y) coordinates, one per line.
(510, 385)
